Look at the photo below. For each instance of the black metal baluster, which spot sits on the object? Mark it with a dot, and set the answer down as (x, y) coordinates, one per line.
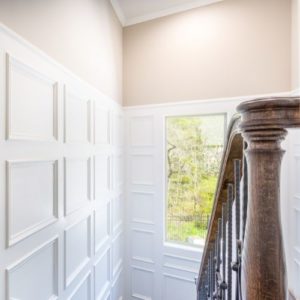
(237, 180)
(229, 253)
(223, 284)
(245, 194)
(219, 244)
(215, 265)
(218, 259)
(212, 272)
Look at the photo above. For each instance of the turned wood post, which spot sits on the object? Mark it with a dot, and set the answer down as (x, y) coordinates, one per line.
(263, 125)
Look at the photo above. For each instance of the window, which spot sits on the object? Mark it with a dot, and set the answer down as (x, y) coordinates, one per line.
(194, 146)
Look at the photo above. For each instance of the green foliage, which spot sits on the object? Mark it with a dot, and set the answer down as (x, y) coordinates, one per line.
(193, 165)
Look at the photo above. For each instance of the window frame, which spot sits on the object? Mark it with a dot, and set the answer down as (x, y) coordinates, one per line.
(166, 242)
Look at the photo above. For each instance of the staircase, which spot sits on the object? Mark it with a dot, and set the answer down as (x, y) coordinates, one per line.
(243, 257)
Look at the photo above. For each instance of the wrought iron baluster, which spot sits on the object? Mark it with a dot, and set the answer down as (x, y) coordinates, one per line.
(229, 252)
(212, 273)
(237, 264)
(223, 284)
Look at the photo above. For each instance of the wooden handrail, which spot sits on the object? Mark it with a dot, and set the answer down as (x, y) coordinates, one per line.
(252, 158)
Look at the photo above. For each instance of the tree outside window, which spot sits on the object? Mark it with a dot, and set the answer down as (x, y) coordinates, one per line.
(194, 146)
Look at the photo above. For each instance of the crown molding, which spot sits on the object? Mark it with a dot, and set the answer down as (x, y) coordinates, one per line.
(162, 13)
(119, 12)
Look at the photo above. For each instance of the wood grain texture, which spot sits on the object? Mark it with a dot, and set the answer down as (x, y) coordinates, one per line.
(263, 125)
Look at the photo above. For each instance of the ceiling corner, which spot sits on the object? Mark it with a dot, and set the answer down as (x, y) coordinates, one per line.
(119, 12)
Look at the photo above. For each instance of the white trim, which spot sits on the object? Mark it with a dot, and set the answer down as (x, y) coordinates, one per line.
(180, 268)
(205, 101)
(158, 14)
(295, 92)
(119, 12)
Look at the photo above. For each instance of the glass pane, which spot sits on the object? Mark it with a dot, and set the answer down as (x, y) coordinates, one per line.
(193, 155)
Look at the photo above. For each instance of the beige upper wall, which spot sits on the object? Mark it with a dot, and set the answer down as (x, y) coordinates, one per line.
(83, 35)
(228, 49)
(295, 44)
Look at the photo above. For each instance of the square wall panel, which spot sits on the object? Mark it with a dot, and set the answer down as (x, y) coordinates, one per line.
(77, 183)
(142, 245)
(177, 288)
(31, 197)
(117, 253)
(118, 129)
(102, 166)
(142, 283)
(141, 131)
(38, 269)
(118, 288)
(142, 207)
(77, 249)
(142, 169)
(102, 226)
(117, 212)
(31, 103)
(102, 275)
(77, 118)
(118, 172)
(84, 290)
(101, 124)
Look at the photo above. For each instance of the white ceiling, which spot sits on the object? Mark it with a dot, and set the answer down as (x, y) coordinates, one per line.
(136, 11)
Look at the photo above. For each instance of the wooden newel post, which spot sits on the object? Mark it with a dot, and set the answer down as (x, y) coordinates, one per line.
(263, 261)
(263, 254)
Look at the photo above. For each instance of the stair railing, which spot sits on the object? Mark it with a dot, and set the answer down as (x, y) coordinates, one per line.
(243, 258)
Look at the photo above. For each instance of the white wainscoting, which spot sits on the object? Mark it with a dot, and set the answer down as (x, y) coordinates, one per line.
(157, 270)
(61, 176)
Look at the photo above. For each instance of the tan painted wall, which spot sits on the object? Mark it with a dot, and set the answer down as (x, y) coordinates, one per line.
(295, 44)
(83, 35)
(233, 48)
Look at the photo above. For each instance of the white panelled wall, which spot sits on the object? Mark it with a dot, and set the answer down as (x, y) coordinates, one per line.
(157, 270)
(61, 182)
(66, 231)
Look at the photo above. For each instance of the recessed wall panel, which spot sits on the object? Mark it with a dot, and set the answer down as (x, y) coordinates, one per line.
(141, 131)
(35, 277)
(77, 118)
(102, 275)
(117, 212)
(32, 103)
(142, 207)
(102, 226)
(101, 125)
(142, 169)
(77, 248)
(118, 172)
(117, 253)
(143, 245)
(118, 129)
(83, 291)
(77, 183)
(177, 288)
(102, 177)
(31, 197)
(142, 283)
(118, 288)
